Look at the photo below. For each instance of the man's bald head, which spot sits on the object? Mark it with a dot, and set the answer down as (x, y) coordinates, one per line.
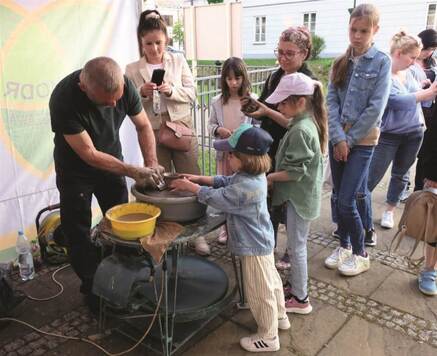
(102, 80)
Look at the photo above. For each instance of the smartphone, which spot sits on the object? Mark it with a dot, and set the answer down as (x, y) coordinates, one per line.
(158, 76)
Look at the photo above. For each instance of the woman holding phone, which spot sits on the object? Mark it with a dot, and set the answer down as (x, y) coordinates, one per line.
(167, 90)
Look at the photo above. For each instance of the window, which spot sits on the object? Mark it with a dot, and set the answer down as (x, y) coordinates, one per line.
(260, 29)
(309, 21)
(431, 18)
(168, 20)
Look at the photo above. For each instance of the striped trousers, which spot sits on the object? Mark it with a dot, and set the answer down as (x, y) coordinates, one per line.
(264, 293)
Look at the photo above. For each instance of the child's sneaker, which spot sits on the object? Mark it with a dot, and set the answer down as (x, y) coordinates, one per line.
(354, 265)
(293, 305)
(427, 282)
(255, 343)
(284, 323)
(337, 257)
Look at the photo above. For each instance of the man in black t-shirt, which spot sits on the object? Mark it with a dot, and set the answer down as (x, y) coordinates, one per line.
(87, 109)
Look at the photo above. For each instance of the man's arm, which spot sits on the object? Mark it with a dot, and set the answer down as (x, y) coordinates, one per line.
(82, 144)
(146, 138)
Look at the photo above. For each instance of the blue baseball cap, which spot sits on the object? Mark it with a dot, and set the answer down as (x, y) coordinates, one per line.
(246, 139)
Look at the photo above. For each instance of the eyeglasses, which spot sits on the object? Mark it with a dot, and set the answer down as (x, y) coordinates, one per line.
(287, 54)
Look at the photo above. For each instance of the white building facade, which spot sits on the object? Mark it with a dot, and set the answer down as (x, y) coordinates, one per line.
(264, 20)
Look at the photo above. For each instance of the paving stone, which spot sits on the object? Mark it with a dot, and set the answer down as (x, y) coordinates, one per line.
(14, 345)
(360, 337)
(31, 336)
(400, 290)
(363, 284)
(24, 350)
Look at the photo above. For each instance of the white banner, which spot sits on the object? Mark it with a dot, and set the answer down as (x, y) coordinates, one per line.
(41, 42)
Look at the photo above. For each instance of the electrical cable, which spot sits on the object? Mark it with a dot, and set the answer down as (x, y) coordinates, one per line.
(54, 280)
(155, 314)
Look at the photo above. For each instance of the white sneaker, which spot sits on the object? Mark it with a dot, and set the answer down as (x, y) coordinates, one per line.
(284, 323)
(354, 265)
(201, 246)
(387, 220)
(337, 257)
(255, 343)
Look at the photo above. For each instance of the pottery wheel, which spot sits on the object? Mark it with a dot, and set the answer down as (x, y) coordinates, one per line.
(166, 193)
(201, 283)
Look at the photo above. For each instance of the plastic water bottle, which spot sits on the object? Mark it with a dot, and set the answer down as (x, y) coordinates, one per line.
(25, 258)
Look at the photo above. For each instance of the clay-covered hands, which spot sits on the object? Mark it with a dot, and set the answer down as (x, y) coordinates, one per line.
(147, 176)
(185, 184)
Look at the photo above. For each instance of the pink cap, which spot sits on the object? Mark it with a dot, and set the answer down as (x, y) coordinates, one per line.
(292, 84)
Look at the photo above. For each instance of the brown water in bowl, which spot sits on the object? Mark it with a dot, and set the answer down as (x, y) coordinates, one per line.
(134, 217)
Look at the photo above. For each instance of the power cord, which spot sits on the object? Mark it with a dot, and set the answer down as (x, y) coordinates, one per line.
(56, 282)
(155, 314)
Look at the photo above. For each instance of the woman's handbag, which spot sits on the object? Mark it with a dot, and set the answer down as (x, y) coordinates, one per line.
(175, 135)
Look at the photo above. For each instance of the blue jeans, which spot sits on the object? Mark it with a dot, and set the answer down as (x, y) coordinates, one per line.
(400, 150)
(297, 235)
(350, 180)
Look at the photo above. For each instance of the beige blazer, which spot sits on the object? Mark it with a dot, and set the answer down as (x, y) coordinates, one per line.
(178, 75)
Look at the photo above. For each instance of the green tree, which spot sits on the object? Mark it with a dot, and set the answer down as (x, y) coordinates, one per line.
(318, 46)
(215, 1)
(178, 33)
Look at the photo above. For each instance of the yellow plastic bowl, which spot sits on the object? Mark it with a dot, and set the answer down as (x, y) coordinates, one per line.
(133, 229)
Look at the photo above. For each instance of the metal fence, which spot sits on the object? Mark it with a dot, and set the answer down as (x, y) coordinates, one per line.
(207, 88)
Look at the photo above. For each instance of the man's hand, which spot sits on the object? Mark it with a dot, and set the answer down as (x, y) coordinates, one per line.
(145, 176)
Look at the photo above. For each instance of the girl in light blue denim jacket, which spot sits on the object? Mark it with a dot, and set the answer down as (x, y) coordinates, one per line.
(357, 95)
(243, 198)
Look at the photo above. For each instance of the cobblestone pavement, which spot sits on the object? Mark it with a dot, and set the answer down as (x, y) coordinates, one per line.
(420, 328)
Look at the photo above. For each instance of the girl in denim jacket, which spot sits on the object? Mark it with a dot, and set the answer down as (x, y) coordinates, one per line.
(357, 94)
(243, 198)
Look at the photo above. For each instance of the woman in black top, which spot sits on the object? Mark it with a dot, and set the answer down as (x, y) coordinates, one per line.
(294, 48)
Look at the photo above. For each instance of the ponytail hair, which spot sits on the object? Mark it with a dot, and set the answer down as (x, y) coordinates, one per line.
(150, 24)
(315, 104)
(320, 115)
(339, 69)
(405, 43)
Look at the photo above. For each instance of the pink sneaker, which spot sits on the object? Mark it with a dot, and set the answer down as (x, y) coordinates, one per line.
(292, 305)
